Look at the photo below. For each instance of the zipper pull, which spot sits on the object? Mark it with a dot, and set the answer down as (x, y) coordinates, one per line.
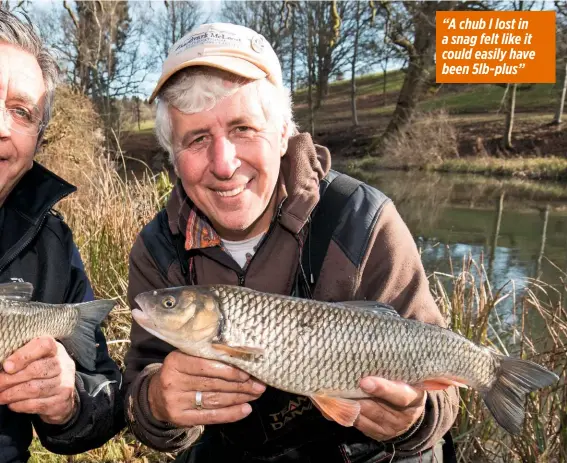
(240, 280)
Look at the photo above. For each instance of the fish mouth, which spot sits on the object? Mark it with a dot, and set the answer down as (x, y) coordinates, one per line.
(141, 317)
(147, 323)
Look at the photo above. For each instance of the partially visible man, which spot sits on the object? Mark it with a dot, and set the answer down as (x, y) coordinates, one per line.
(72, 410)
(242, 214)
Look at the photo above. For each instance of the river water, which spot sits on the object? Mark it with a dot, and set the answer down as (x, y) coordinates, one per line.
(516, 228)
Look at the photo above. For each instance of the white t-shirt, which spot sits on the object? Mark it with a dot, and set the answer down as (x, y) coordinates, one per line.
(241, 251)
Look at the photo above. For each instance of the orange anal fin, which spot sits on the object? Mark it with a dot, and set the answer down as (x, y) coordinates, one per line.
(343, 411)
(438, 384)
(239, 351)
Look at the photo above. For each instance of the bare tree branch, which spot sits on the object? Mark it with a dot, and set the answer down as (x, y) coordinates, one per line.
(71, 14)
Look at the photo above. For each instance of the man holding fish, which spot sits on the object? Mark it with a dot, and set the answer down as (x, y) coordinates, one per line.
(242, 214)
(281, 310)
(55, 371)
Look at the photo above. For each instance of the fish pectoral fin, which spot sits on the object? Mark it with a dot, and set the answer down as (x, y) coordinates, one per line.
(343, 411)
(239, 351)
(438, 384)
(17, 291)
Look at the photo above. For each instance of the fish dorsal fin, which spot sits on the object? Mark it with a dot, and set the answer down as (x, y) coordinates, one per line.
(16, 291)
(372, 306)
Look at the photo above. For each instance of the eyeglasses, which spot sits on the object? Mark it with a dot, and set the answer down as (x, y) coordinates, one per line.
(21, 121)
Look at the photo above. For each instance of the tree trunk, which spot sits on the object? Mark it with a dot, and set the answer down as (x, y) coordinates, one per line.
(561, 103)
(420, 60)
(353, 73)
(320, 79)
(385, 79)
(509, 126)
(310, 78)
(410, 93)
(420, 51)
(292, 70)
(173, 23)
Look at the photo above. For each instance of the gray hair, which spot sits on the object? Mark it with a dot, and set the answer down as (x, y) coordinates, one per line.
(15, 32)
(200, 88)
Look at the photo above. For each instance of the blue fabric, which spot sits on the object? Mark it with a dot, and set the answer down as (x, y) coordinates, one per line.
(77, 262)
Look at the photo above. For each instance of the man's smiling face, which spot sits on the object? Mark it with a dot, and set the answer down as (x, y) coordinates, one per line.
(22, 89)
(228, 159)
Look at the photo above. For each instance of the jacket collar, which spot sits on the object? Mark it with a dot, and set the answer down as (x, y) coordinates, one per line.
(37, 192)
(302, 168)
(27, 205)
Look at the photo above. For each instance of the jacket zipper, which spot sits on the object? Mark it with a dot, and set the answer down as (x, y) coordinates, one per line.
(242, 275)
(35, 233)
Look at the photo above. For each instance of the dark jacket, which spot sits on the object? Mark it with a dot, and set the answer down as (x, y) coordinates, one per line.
(37, 246)
(383, 265)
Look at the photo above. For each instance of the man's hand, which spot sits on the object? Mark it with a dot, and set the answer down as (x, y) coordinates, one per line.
(394, 408)
(39, 378)
(225, 391)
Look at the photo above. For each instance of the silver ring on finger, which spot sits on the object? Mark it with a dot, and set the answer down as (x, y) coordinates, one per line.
(199, 400)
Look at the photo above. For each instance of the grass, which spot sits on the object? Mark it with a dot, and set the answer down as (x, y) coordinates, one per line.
(145, 126)
(537, 168)
(365, 85)
(483, 98)
(106, 216)
(457, 99)
(479, 190)
(471, 308)
(542, 168)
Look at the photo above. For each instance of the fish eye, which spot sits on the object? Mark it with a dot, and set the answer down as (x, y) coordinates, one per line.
(169, 302)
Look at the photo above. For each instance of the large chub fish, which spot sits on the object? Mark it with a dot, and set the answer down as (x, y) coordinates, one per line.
(322, 350)
(72, 324)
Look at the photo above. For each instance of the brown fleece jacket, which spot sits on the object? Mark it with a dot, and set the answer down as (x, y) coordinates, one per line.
(391, 273)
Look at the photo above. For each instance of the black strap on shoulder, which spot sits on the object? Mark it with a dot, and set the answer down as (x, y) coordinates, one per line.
(324, 220)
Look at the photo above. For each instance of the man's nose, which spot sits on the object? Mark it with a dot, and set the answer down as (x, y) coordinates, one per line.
(224, 158)
(5, 123)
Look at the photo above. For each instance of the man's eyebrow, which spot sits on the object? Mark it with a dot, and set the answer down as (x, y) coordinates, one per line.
(27, 100)
(239, 121)
(191, 134)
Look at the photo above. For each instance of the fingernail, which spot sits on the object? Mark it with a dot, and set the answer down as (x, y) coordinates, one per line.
(258, 387)
(367, 385)
(9, 366)
(246, 409)
(243, 375)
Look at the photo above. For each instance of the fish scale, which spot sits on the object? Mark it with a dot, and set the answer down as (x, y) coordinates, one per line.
(24, 323)
(336, 359)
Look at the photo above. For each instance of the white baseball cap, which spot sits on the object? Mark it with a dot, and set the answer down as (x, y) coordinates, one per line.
(232, 48)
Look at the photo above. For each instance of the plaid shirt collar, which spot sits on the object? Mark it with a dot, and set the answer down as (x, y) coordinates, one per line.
(199, 232)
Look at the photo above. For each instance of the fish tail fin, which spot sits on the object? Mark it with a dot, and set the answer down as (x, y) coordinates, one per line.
(515, 379)
(81, 345)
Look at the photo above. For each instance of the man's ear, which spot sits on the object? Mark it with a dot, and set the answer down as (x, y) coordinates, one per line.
(284, 139)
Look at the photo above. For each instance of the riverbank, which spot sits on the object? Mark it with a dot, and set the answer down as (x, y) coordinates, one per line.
(532, 168)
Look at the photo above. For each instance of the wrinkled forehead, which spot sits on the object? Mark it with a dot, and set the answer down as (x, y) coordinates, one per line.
(21, 78)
